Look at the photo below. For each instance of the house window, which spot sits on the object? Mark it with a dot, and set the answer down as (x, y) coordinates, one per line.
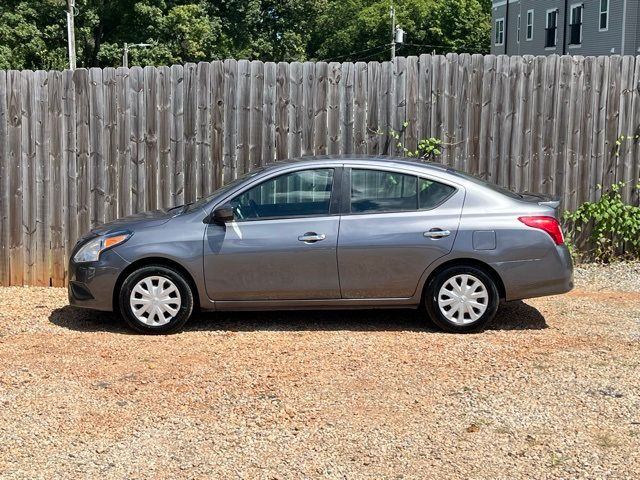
(604, 15)
(551, 32)
(575, 27)
(518, 30)
(500, 31)
(529, 24)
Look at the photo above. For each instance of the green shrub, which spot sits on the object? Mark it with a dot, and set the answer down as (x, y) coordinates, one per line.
(613, 226)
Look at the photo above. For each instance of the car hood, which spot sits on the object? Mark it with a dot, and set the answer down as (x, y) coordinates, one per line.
(152, 218)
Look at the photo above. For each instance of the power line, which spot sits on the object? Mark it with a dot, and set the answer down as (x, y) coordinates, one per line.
(384, 45)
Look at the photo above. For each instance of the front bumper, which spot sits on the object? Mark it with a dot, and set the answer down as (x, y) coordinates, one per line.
(91, 285)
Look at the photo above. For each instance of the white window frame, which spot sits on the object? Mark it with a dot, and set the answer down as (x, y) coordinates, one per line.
(557, 12)
(518, 25)
(603, 12)
(502, 32)
(572, 9)
(529, 26)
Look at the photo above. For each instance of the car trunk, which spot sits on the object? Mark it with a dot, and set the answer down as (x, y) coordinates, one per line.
(542, 199)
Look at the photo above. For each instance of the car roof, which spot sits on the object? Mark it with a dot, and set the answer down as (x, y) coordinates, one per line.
(368, 159)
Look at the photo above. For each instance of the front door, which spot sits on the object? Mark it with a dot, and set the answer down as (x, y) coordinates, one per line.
(397, 225)
(281, 244)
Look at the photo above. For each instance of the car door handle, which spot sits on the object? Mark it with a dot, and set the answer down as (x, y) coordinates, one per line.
(311, 237)
(437, 233)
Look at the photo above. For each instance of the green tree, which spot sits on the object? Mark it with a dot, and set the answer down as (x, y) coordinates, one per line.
(33, 32)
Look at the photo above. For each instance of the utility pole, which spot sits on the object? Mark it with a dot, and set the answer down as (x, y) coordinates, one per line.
(71, 37)
(392, 14)
(127, 49)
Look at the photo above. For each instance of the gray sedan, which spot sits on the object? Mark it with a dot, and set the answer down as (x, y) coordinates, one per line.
(328, 232)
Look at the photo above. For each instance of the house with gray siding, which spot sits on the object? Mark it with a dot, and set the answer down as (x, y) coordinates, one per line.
(566, 27)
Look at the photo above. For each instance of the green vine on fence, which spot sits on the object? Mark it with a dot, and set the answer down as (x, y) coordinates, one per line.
(612, 224)
(428, 148)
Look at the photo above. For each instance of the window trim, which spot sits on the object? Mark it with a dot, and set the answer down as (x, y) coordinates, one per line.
(527, 37)
(346, 190)
(334, 199)
(572, 9)
(605, 12)
(495, 36)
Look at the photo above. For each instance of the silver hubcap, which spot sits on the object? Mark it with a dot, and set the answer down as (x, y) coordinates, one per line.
(463, 299)
(155, 301)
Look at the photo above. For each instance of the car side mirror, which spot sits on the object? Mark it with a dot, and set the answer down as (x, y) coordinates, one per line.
(223, 214)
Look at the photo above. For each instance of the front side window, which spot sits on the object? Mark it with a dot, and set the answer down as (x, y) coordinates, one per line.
(604, 15)
(500, 31)
(297, 194)
(518, 30)
(575, 32)
(376, 191)
(529, 24)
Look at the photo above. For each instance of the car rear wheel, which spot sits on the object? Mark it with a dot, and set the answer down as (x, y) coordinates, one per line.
(461, 299)
(156, 300)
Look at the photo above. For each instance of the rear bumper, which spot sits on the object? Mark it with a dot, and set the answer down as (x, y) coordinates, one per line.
(91, 285)
(549, 275)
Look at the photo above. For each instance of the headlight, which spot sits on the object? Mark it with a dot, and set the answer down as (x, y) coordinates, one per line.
(90, 251)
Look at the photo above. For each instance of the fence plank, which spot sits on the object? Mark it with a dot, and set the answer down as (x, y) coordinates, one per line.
(96, 165)
(282, 110)
(58, 177)
(110, 142)
(42, 200)
(373, 110)
(612, 121)
(176, 165)
(70, 159)
(268, 148)
(151, 153)
(217, 124)
(321, 87)
(190, 120)
(14, 155)
(244, 115)
(5, 199)
(204, 172)
(136, 86)
(346, 107)
(360, 108)
(165, 176)
(28, 175)
(230, 114)
(256, 112)
(123, 121)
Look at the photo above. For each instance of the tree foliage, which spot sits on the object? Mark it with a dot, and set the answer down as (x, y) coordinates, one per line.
(33, 32)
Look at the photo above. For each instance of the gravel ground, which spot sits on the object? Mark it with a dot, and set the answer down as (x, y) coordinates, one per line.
(550, 390)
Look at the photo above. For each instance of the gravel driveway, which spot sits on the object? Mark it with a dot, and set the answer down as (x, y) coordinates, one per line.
(551, 390)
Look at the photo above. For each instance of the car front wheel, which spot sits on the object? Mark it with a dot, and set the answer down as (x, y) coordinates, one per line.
(461, 299)
(156, 300)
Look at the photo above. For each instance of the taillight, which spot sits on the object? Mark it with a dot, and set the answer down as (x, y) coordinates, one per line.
(548, 224)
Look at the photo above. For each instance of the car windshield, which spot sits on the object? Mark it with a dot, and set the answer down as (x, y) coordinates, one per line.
(204, 200)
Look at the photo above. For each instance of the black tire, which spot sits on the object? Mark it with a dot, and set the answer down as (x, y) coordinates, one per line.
(175, 322)
(467, 325)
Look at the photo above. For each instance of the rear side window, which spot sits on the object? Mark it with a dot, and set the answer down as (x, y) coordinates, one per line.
(431, 194)
(379, 191)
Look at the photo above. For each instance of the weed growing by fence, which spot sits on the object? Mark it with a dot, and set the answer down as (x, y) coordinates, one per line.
(614, 225)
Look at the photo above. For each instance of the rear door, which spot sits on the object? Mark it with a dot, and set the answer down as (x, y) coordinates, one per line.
(396, 224)
(281, 244)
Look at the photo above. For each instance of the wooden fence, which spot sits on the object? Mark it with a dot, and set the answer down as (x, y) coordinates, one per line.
(79, 148)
